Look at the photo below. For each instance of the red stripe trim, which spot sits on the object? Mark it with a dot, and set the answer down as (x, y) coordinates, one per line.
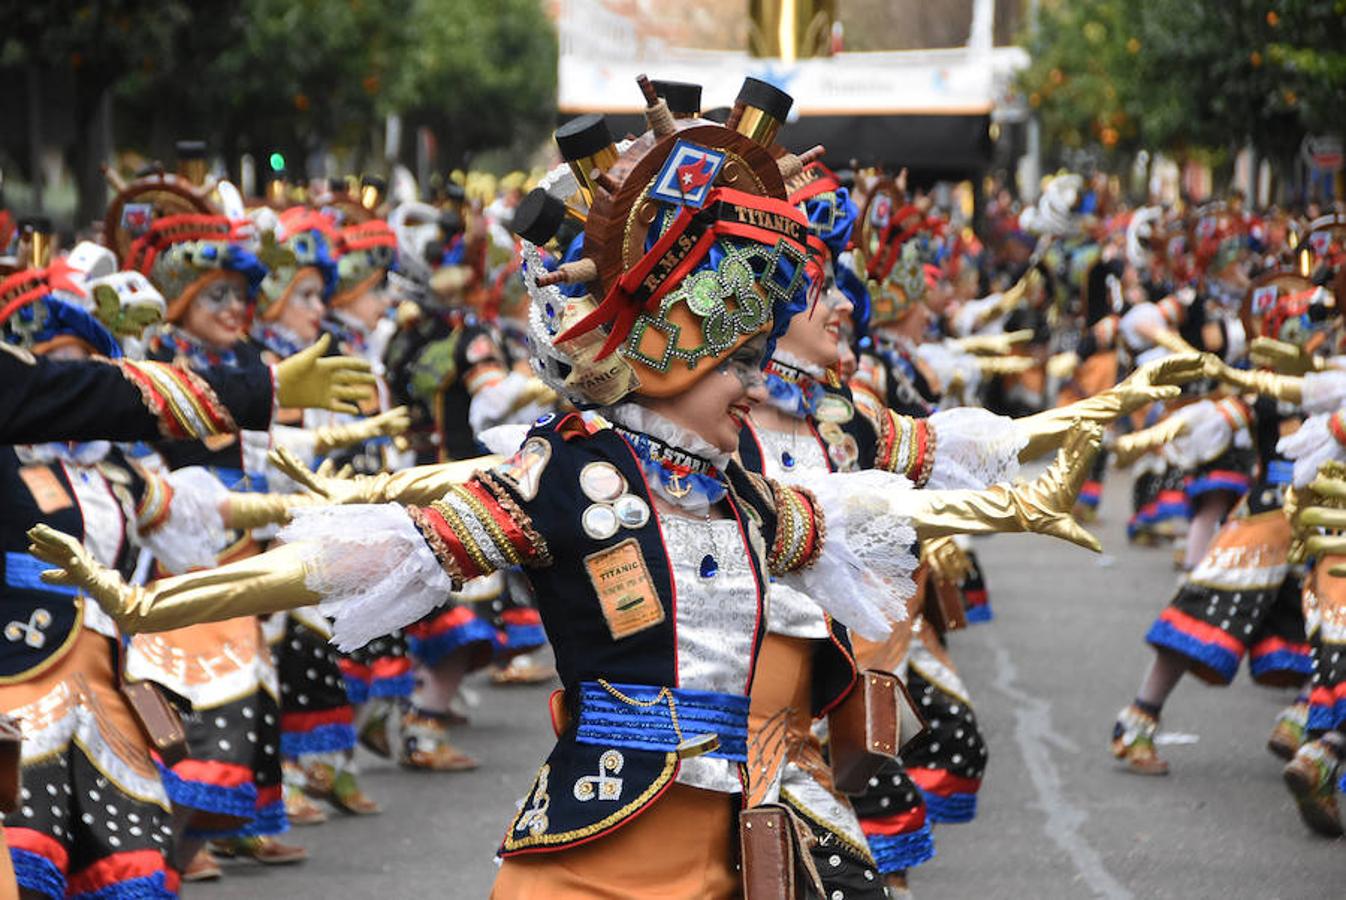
(307, 721)
(1207, 634)
(521, 616)
(943, 782)
(390, 667)
(266, 796)
(352, 669)
(901, 823)
(1327, 696)
(115, 869)
(1274, 644)
(43, 845)
(445, 621)
(214, 772)
(466, 565)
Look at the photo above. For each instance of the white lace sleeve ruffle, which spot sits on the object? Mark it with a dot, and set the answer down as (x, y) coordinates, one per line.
(1324, 392)
(1208, 435)
(951, 365)
(974, 448)
(965, 320)
(371, 565)
(1310, 447)
(194, 529)
(863, 577)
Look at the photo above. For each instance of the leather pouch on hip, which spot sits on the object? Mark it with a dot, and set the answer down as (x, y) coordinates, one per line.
(11, 744)
(872, 725)
(776, 862)
(158, 720)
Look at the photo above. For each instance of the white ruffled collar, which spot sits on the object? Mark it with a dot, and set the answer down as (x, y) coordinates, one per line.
(646, 421)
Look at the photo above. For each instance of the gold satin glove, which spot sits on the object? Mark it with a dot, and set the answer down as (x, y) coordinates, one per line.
(992, 344)
(1042, 506)
(310, 380)
(388, 424)
(243, 512)
(1172, 342)
(1063, 365)
(1288, 359)
(946, 559)
(1133, 446)
(267, 583)
(417, 486)
(1152, 382)
(1005, 365)
(1008, 300)
(1260, 381)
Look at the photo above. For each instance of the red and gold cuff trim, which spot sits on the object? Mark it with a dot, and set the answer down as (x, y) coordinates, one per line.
(474, 533)
(153, 509)
(182, 401)
(1235, 412)
(906, 447)
(801, 530)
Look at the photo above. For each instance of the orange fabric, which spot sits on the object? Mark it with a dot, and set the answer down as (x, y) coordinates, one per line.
(780, 709)
(177, 308)
(681, 848)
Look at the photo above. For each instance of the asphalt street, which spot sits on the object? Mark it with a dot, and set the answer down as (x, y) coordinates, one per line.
(1058, 818)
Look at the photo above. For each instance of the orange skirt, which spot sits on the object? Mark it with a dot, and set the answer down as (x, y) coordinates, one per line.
(681, 848)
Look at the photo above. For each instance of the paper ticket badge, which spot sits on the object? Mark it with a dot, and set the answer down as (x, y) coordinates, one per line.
(46, 488)
(625, 590)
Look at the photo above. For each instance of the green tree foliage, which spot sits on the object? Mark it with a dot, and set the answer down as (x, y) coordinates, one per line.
(1178, 75)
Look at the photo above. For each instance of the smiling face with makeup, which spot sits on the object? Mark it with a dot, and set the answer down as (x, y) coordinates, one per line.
(814, 335)
(716, 405)
(218, 314)
(303, 310)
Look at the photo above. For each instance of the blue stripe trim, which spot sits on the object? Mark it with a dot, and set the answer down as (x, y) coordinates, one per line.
(333, 737)
(1280, 661)
(146, 887)
(980, 613)
(1218, 659)
(238, 801)
(898, 852)
(270, 819)
(953, 809)
(357, 690)
(23, 570)
(606, 721)
(1327, 718)
(401, 686)
(431, 651)
(524, 637)
(1280, 471)
(1204, 485)
(36, 873)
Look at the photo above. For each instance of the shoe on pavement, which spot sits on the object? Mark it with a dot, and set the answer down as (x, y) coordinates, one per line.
(1288, 733)
(425, 745)
(1133, 742)
(523, 669)
(1312, 778)
(266, 850)
(203, 867)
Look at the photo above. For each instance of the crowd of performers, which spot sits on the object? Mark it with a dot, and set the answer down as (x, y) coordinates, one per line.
(699, 419)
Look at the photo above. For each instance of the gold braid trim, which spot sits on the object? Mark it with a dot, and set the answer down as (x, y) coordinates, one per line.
(541, 552)
(630, 809)
(497, 534)
(436, 544)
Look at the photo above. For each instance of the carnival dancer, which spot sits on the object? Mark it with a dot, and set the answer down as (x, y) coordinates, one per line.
(317, 719)
(85, 744)
(611, 522)
(1244, 595)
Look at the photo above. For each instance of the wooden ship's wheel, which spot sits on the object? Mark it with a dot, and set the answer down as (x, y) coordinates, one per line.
(138, 204)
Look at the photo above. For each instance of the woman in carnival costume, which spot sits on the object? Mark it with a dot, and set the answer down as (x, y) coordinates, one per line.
(650, 549)
(317, 717)
(95, 818)
(1243, 597)
(230, 785)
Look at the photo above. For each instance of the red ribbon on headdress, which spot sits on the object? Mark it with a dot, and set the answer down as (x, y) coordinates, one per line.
(170, 230)
(726, 213)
